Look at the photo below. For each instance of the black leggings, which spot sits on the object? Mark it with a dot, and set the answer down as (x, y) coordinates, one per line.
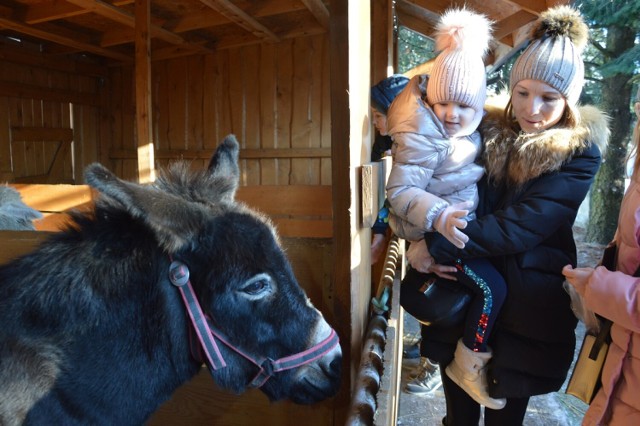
(489, 290)
(462, 410)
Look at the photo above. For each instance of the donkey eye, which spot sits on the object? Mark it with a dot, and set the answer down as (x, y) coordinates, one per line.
(256, 287)
(259, 285)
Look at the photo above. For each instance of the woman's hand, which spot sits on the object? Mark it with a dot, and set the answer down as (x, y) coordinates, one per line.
(577, 277)
(419, 257)
(421, 260)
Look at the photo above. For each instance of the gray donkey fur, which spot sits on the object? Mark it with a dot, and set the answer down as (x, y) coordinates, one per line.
(15, 215)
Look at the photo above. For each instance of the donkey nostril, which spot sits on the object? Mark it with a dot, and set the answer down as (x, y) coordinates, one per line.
(334, 368)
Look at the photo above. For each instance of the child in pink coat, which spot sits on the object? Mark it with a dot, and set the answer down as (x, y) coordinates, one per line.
(616, 296)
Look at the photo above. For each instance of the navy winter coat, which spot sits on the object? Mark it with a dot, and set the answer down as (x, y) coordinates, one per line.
(529, 200)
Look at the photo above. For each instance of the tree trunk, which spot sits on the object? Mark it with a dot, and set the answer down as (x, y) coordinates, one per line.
(608, 187)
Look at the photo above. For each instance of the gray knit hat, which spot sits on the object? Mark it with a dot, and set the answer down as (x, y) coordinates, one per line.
(555, 53)
(458, 73)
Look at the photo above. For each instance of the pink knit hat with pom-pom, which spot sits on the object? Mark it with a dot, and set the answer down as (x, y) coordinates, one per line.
(458, 73)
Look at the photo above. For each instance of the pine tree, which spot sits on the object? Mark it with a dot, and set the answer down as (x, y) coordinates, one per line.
(612, 59)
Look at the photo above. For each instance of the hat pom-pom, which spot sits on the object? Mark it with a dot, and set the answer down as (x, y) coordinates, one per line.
(463, 29)
(563, 21)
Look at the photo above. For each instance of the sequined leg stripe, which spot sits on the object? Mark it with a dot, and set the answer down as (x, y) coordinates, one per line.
(483, 321)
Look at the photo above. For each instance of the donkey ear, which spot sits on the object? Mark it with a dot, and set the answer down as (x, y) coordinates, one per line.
(223, 166)
(174, 220)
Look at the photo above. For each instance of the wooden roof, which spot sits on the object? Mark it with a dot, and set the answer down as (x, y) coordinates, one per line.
(106, 28)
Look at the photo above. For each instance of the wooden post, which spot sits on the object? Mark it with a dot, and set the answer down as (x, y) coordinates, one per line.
(146, 167)
(350, 85)
(382, 40)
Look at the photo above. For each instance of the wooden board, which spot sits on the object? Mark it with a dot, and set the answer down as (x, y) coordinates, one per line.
(297, 211)
(14, 244)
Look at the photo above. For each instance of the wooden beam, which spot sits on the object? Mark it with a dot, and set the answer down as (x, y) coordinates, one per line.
(319, 10)
(436, 7)
(205, 154)
(239, 17)
(65, 41)
(18, 243)
(534, 7)
(119, 37)
(512, 23)
(41, 134)
(51, 11)
(416, 24)
(382, 42)
(32, 57)
(117, 15)
(417, 18)
(54, 10)
(146, 166)
(54, 198)
(170, 52)
(211, 18)
(289, 200)
(19, 90)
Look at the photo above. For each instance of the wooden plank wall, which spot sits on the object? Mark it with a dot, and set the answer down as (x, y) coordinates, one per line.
(274, 97)
(50, 111)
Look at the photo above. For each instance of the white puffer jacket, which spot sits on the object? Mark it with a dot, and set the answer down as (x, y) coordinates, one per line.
(430, 170)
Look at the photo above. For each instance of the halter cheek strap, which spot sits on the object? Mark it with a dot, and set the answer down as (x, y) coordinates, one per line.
(179, 277)
(206, 331)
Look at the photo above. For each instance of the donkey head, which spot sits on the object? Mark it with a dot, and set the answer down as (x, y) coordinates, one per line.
(240, 275)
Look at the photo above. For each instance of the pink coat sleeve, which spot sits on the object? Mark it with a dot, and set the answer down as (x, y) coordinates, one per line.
(615, 296)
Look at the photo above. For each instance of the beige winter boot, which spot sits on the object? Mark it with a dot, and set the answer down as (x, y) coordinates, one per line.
(468, 371)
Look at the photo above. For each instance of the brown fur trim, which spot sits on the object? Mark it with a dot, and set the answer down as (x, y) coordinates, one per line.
(519, 157)
(563, 21)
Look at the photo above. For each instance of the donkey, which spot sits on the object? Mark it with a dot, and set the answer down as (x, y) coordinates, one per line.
(107, 318)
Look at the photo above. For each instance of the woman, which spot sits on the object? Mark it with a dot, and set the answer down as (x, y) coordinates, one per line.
(616, 295)
(541, 155)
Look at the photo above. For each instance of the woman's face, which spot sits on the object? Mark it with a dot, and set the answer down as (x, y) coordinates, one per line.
(379, 121)
(536, 105)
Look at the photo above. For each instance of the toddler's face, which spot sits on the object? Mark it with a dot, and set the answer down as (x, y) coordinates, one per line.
(455, 117)
(379, 121)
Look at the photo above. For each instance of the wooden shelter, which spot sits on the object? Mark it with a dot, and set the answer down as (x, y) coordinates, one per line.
(135, 84)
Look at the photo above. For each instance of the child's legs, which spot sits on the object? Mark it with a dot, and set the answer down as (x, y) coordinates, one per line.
(489, 290)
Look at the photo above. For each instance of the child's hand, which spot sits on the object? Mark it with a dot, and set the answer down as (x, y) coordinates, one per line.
(577, 277)
(450, 220)
(378, 245)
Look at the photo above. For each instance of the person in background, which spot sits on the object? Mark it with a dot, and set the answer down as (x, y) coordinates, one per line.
(382, 94)
(432, 185)
(541, 154)
(616, 296)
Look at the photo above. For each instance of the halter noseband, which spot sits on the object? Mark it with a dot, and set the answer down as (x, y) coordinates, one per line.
(207, 334)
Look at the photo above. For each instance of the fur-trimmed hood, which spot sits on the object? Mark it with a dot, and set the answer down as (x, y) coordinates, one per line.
(531, 155)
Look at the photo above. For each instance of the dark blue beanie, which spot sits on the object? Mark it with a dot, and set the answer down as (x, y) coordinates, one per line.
(383, 93)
